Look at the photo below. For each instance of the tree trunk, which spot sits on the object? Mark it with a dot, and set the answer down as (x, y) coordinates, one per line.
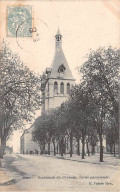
(0, 163)
(88, 151)
(41, 149)
(83, 146)
(4, 143)
(71, 144)
(93, 150)
(48, 147)
(101, 148)
(114, 149)
(65, 147)
(111, 146)
(1, 153)
(78, 146)
(57, 147)
(61, 148)
(2, 149)
(44, 148)
(54, 148)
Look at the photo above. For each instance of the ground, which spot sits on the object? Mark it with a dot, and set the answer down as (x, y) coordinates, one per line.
(48, 173)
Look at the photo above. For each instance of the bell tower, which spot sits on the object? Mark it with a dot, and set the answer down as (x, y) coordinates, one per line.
(58, 42)
(58, 79)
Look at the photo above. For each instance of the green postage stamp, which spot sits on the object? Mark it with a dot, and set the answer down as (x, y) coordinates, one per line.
(19, 21)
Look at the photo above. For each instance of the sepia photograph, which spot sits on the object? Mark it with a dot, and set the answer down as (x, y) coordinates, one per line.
(59, 95)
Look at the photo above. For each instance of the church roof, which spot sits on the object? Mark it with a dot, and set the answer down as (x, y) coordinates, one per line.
(59, 59)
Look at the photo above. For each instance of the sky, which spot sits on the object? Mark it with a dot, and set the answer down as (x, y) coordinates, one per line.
(84, 25)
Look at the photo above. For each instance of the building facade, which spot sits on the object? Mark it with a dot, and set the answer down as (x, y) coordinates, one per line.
(27, 146)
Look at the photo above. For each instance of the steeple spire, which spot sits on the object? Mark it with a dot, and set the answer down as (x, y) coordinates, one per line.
(59, 62)
(58, 31)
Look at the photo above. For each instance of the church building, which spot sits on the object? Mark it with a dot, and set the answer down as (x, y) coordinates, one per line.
(57, 82)
(59, 79)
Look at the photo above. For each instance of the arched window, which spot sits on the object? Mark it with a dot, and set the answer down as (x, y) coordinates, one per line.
(62, 88)
(55, 87)
(68, 88)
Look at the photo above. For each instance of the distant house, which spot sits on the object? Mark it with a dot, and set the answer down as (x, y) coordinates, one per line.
(27, 146)
(8, 150)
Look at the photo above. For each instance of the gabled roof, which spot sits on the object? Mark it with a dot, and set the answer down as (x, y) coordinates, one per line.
(59, 59)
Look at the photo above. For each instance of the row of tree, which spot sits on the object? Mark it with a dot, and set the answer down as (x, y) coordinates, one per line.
(91, 113)
(19, 94)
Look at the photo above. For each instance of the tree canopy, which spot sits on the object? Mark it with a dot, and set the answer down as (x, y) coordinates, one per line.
(19, 92)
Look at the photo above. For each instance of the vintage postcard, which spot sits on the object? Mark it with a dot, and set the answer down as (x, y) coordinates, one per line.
(59, 95)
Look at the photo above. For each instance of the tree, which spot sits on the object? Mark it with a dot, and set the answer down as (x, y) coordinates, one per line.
(93, 139)
(39, 135)
(51, 128)
(81, 109)
(19, 93)
(102, 70)
(68, 122)
(112, 133)
(45, 130)
(101, 74)
(61, 127)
